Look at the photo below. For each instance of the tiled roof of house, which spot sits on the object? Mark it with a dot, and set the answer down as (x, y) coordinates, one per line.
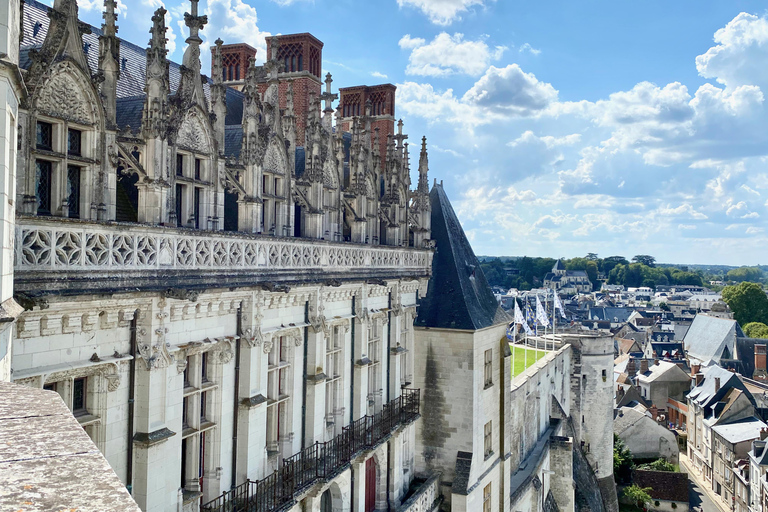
(664, 485)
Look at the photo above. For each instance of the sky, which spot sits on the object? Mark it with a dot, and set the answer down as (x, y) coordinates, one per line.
(558, 128)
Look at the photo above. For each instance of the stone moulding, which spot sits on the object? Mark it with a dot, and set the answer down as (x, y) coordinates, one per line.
(148, 439)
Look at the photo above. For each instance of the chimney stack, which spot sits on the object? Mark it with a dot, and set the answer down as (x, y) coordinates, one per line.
(760, 357)
(654, 412)
(631, 368)
(643, 365)
(763, 433)
(699, 378)
(717, 384)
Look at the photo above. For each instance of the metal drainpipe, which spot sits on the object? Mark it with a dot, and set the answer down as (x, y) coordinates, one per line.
(239, 332)
(304, 382)
(131, 400)
(352, 404)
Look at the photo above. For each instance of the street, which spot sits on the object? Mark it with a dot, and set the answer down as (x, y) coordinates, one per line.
(699, 501)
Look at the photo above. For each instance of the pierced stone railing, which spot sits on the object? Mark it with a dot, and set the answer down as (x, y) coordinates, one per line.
(69, 245)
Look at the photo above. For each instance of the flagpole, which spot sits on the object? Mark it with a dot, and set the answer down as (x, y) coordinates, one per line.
(554, 324)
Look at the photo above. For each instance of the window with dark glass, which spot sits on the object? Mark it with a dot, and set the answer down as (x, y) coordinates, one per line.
(488, 368)
(184, 412)
(197, 168)
(197, 208)
(203, 408)
(79, 405)
(43, 187)
(179, 190)
(44, 135)
(74, 142)
(179, 165)
(73, 191)
(204, 366)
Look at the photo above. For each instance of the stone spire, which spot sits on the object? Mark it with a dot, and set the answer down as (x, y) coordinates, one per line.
(191, 85)
(423, 187)
(219, 96)
(109, 60)
(157, 85)
(329, 98)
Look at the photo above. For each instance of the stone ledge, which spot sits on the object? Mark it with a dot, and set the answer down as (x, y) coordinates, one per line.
(153, 438)
(253, 401)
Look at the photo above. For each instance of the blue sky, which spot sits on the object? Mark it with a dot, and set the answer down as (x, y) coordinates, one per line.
(558, 127)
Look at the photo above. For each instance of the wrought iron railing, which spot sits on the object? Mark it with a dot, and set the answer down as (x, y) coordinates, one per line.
(320, 461)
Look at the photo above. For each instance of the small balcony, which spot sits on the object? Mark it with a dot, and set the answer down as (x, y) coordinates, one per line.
(319, 462)
(58, 253)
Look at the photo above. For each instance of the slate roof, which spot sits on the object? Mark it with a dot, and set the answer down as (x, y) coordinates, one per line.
(740, 431)
(47, 461)
(705, 395)
(708, 336)
(759, 452)
(610, 314)
(664, 484)
(559, 265)
(133, 62)
(665, 349)
(458, 296)
(664, 372)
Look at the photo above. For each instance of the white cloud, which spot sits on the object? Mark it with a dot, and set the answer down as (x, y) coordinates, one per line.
(442, 12)
(736, 209)
(376, 74)
(740, 54)
(424, 101)
(753, 230)
(526, 47)
(233, 21)
(448, 55)
(684, 210)
(284, 3)
(511, 90)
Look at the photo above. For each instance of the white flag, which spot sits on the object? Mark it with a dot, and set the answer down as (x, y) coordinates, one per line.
(519, 319)
(559, 305)
(541, 313)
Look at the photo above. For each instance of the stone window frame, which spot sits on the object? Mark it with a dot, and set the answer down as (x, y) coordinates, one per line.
(279, 394)
(199, 393)
(188, 183)
(488, 368)
(487, 498)
(275, 204)
(61, 160)
(373, 347)
(488, 440)
(334, 370)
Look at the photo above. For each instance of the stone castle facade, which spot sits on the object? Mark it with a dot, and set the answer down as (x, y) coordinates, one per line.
(220, 277)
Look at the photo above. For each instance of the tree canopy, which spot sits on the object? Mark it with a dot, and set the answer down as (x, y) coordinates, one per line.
(756, 330)
(748, 302)
(645, 259)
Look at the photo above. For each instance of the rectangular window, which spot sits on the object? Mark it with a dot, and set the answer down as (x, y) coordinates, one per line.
(185, 412)
(43, 187)
(204, 366)
(487, 498)
(73, 191)
(203, 407)
(197, 168)
(488, 439)
(74, 142)
(488, 367)
(197, 208)
(79, 405)
(179, 191)
(187, 382)
(179, 165)
(44, 135)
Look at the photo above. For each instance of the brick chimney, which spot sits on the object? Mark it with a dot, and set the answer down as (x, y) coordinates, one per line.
(643, 365)
(654, 412)
(699, 378)
(717, 384)
(760, 363)
(631, 368)
(695, 369)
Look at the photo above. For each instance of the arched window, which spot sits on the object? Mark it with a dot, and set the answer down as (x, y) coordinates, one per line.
(237, 71)
(326, 501)
(230, 72)
(293, 63)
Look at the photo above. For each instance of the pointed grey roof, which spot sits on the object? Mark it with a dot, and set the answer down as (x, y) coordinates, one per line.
(559, 265)
(709, 336)
(458, 296)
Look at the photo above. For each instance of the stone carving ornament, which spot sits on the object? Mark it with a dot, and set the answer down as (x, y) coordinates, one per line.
(61, 96)
(192, 134)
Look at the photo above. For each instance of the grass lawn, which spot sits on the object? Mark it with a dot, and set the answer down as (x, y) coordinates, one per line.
(519, 366)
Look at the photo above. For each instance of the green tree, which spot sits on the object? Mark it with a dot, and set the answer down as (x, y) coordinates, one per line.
(645, 259)
(756, 330)
(609, 263)
(747, 301)
(658, 465)
(744, 274)
(592, 256)
(622, 460)
(638, 495)
(664, 306)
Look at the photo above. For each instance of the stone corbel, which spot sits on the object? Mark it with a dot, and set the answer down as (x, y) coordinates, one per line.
(223, 351)
(316, 314)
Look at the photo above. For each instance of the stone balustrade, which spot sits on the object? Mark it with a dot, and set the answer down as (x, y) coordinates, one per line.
(425, 498)
(45, 245)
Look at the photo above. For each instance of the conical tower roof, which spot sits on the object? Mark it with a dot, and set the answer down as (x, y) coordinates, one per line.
(458, 296)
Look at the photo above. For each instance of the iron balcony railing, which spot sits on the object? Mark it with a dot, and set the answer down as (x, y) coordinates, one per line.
(320, 461)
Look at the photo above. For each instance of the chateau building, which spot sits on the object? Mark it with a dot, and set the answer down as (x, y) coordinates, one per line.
(220, 278)
(568, 282)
